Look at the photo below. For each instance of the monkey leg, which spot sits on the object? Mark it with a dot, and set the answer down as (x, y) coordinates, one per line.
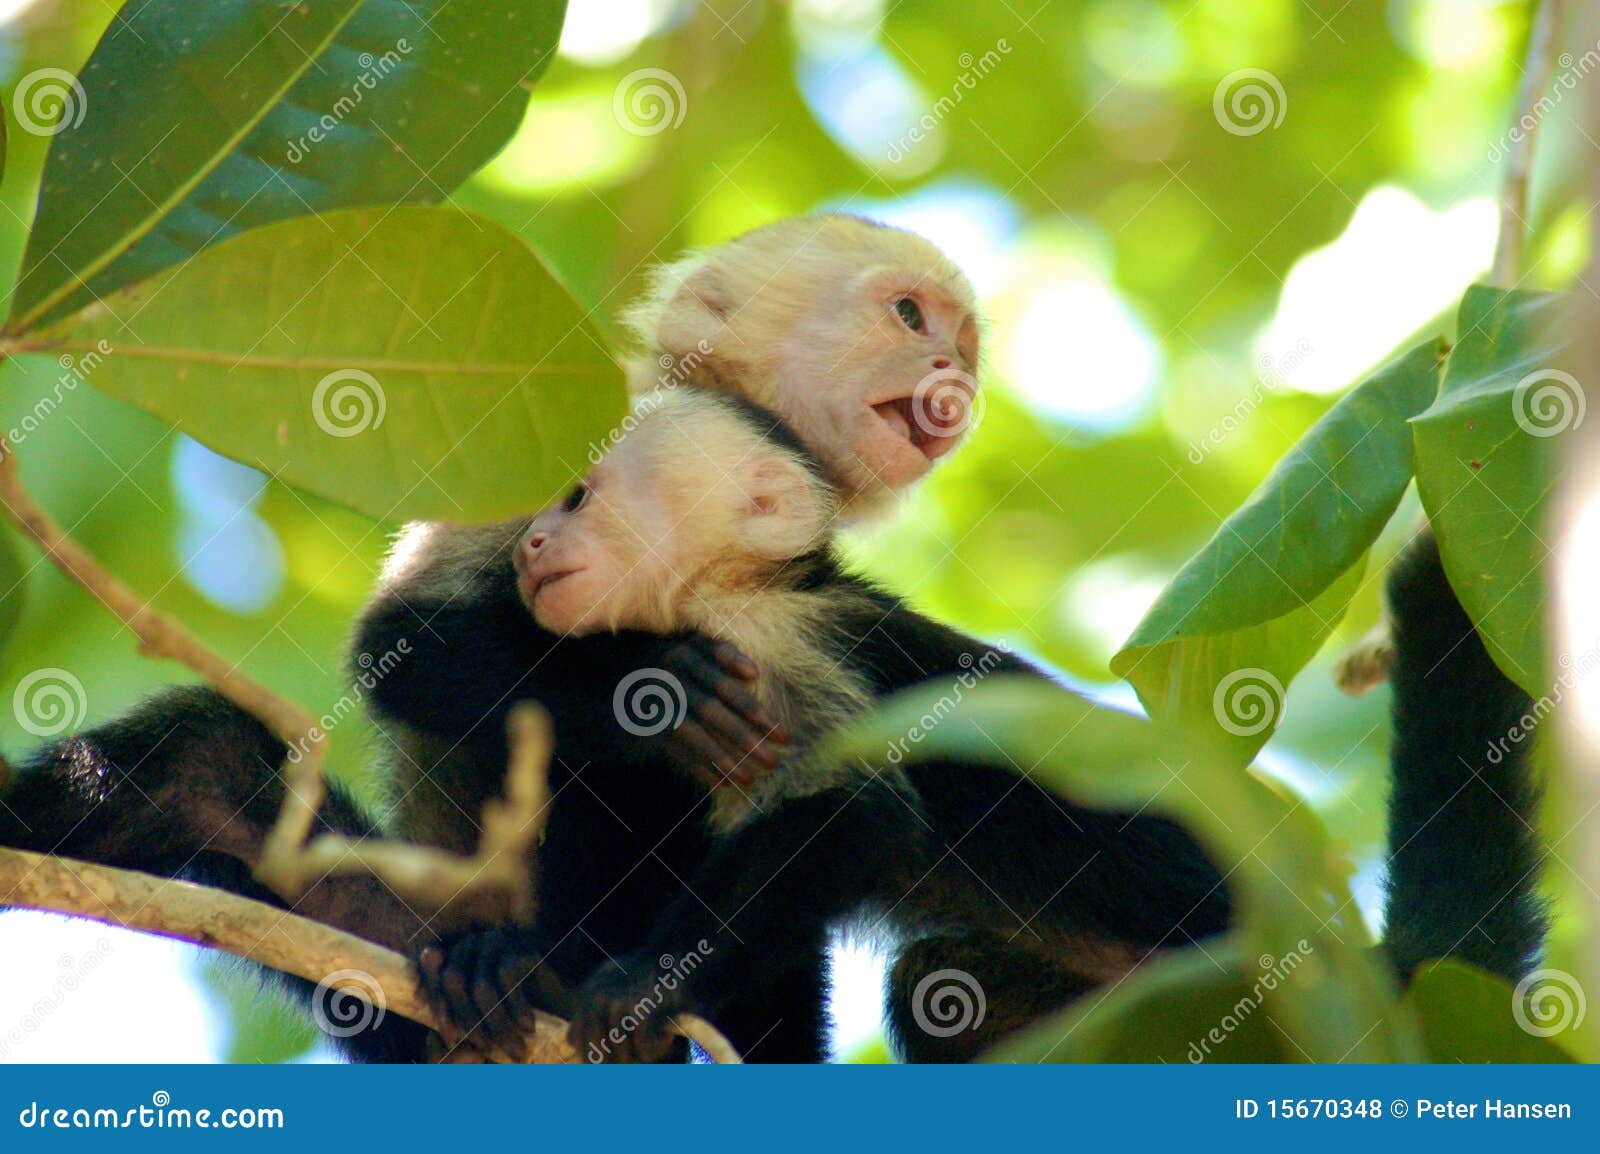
(786, 1020)
(951, 998)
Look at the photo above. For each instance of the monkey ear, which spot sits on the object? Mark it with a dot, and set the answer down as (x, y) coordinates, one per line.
(694, 316)
(786, 511)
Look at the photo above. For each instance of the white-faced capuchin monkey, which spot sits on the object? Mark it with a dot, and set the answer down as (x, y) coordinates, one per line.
(187, 785)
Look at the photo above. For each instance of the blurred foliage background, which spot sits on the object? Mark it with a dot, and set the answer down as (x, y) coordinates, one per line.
(1170, 304)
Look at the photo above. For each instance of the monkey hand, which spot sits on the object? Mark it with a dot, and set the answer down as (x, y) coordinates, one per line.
(485, 984)
(725, 735)
(624, 1013)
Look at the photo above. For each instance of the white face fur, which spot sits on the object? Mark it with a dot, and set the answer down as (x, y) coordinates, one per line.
(689, 510)
(864, 338)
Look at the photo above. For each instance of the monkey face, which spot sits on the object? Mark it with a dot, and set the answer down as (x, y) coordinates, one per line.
(692, 506)
(864, 338)
(905, 383)
(563, 575)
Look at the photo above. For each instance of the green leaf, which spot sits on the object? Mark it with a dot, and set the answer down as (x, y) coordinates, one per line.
(203, 120)
(1189, 1006)
(1468, 1015)
(413, 361)
(1486, 464)
(1289, 889)
(1251, 608)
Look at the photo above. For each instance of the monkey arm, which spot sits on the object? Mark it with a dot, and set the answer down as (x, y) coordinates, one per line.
(454, 669)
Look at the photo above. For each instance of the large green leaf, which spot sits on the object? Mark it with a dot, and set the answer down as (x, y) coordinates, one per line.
(1190, 1006)
(1251, 608)
(410, 361)
(1290, 892)
(1467, 1015)
(200, 120)
(1486, 464)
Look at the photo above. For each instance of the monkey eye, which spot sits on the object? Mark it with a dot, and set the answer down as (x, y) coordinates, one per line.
(577, 499)
(909, 312)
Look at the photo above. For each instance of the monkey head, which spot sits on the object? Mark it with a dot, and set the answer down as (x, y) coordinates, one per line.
(864, 338)
(702, 499)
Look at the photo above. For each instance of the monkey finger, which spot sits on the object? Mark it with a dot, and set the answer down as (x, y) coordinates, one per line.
(497, 1024)
(731, 658)
(455, 985)
(519, 994)
(713, 679)
(699, 753)
(734, 732)
(430, 968)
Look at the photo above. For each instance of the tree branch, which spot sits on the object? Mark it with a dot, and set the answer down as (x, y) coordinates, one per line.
(335, 960)
(1507, 270)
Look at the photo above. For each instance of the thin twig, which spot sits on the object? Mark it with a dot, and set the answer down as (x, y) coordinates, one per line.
(337, 961)
(158, 635)
(495, 884)
(1507, 270)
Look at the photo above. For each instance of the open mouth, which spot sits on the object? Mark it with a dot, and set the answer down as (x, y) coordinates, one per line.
(932, 423)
